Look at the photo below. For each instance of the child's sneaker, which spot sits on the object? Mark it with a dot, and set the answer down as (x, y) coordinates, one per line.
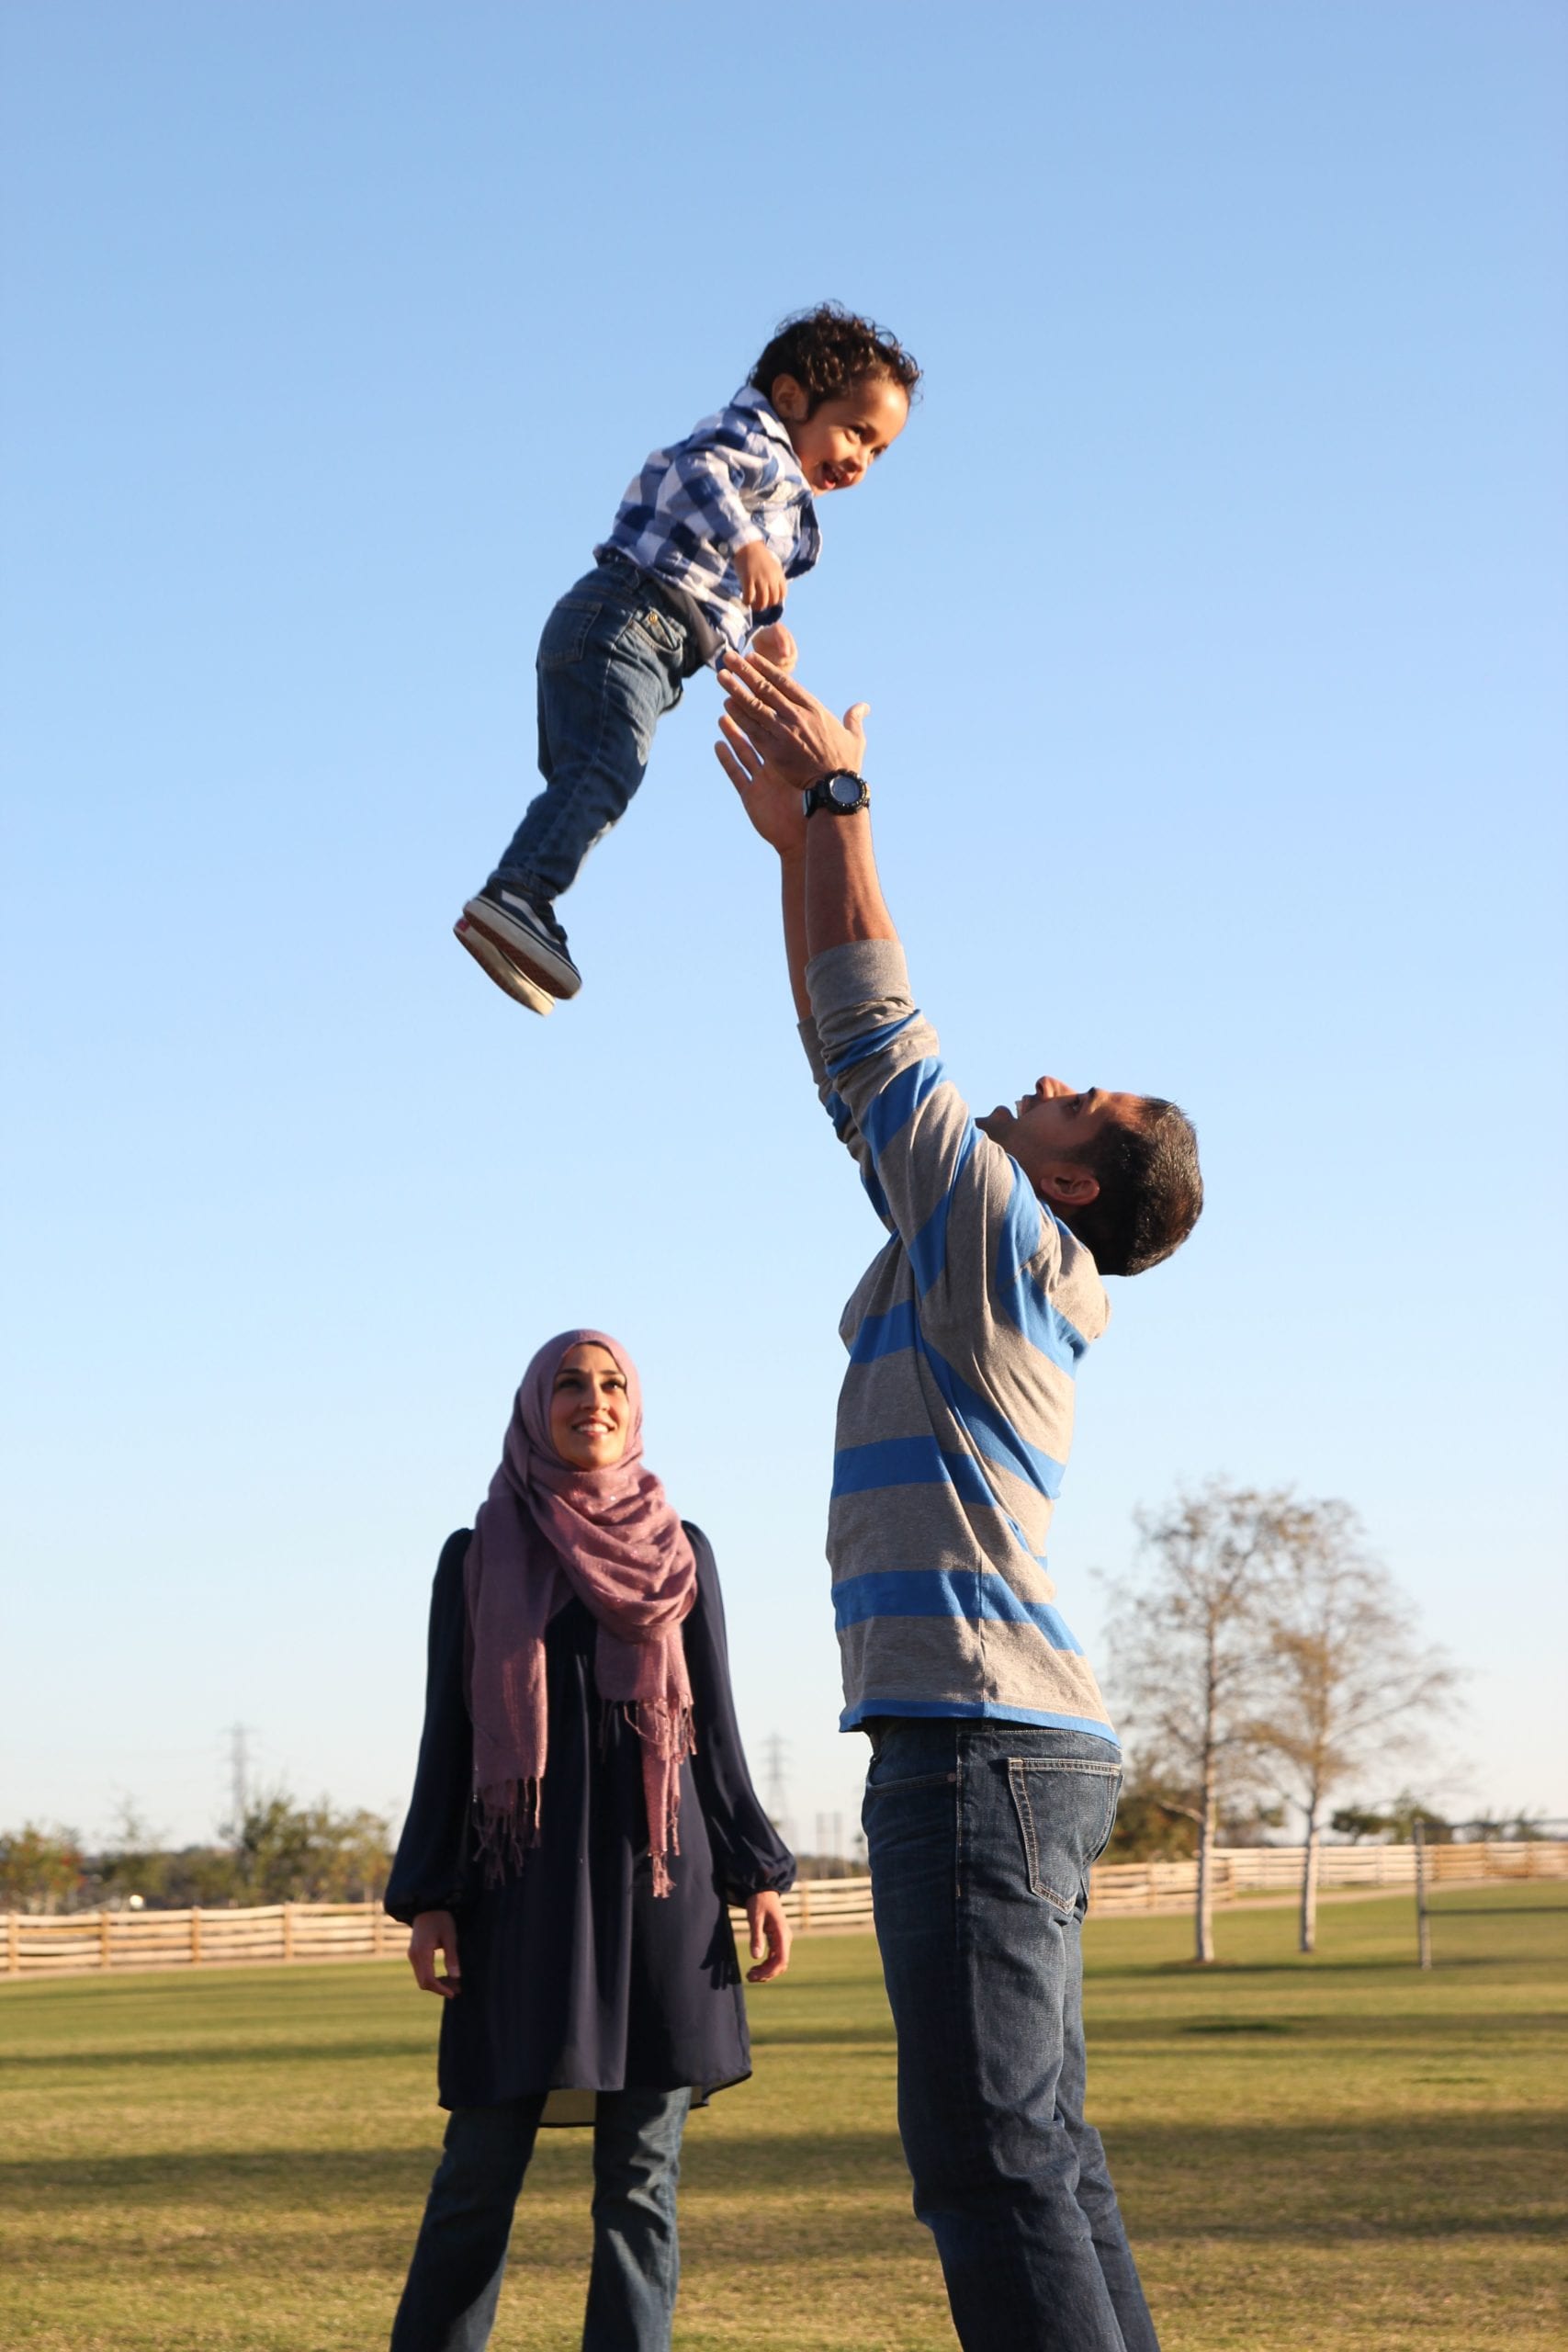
(528, 932)
(501, 967)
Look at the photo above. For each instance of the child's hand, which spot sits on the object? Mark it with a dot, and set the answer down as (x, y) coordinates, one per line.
(776, 644)
(763, 581)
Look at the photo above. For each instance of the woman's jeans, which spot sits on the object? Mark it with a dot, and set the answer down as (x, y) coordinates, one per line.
(610, 662)
(980, 1837)
(454, 2282)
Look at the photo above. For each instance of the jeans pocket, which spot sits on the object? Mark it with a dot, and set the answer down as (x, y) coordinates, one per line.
(881, 1781)
(1067, 1810)
(567, 632)
(662, 630)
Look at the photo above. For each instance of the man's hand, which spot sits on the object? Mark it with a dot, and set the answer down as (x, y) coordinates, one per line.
(762, 580)
(776, 644)
(776, 812)
(770, 1934)
(777, 737)
(432, 1932)
(777, 741)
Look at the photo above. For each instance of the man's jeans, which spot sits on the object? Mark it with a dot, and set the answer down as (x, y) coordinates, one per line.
(610, 662)
(454, 2282)
(981, 1836)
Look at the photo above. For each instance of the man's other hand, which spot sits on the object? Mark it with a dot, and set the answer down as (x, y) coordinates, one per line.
(776, 644)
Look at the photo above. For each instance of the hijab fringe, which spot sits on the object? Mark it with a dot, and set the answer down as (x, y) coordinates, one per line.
(508, 1825)
(666, 1734)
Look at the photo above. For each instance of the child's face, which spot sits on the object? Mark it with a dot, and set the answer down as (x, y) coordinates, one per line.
(841, 438)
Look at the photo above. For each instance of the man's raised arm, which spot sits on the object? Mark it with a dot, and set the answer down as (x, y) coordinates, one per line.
(806, 742)
(874, 1055)
(778, 740)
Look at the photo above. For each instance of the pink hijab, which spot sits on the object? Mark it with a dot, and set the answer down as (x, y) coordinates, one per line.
(548, 1530)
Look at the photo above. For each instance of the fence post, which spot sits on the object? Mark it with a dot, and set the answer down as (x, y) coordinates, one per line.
(194, 1937)
(804, 1905)
(13, 1944)
(103, 1938)
(1423, 1925)
(288, 1931)
(378, 1931)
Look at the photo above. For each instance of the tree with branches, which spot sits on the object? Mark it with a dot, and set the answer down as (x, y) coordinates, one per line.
(1349, 1681)
(40, 1867)
(1189, 1651)
(286, 1852)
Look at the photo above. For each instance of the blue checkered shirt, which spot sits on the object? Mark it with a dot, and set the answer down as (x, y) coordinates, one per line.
(735, 480)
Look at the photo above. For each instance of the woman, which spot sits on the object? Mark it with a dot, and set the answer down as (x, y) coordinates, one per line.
(581, 1815)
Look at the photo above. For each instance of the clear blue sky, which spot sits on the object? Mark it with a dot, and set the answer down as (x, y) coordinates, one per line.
(1212, 610)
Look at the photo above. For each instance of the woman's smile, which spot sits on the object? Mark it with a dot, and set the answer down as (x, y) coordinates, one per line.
(589, 1412)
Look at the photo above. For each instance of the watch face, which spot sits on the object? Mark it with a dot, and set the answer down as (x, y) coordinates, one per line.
(845, 792)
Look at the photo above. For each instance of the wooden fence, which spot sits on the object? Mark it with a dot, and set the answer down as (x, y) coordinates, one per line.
(1241, 1871)
(66, 1943)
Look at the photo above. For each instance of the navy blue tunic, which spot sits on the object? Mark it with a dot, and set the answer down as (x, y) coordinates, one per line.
(573, 1975)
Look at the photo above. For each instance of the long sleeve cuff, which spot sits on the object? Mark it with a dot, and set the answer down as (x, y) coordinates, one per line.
(406, 1904)
(751, 1873)
(861, 972)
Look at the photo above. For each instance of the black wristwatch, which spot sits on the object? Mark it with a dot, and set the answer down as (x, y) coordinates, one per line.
(842, 793)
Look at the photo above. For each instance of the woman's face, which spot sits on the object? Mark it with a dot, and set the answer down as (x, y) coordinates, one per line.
(590, 1410)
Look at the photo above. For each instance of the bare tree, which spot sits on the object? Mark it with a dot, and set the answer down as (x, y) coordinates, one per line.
(1190, 1647)
(1350, 1680)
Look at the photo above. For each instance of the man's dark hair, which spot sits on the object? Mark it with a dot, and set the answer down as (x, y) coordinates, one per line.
(1151, 1191)
(828, 350)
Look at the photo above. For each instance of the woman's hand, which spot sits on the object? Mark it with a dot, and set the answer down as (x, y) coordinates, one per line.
(770, 1935)
(432, 1932)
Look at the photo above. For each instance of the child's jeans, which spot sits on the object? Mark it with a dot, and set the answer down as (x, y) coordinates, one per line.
(454, 2282)
(610, 662)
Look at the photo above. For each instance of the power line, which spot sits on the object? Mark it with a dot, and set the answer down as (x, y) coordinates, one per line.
(776, 1768)
(239, 1776)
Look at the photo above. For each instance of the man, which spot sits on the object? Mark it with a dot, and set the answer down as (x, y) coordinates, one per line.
(995, 1770)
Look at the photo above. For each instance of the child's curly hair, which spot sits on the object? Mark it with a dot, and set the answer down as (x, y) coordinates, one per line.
(829, 349)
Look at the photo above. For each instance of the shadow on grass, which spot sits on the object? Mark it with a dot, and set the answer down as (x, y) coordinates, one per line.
(103, 2058)
(1310, 1968)
(1428, 2177)
(309, 2178)
(107, 2058)
(1431, 2031)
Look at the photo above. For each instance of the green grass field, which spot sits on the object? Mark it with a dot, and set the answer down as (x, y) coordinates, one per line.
(1337, 2153)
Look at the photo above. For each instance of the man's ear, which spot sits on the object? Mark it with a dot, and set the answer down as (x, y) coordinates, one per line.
(791, 399)
(1068, 1185)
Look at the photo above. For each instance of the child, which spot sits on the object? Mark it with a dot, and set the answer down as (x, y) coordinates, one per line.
(707, 538)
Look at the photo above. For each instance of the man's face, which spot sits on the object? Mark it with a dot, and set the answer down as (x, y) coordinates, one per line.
(841, 440)
(1049, 1132)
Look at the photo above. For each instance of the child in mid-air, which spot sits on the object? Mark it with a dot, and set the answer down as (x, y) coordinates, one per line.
(697, 559)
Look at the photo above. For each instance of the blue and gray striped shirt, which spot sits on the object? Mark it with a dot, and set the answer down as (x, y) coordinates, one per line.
(733, 479)
(956, 1412)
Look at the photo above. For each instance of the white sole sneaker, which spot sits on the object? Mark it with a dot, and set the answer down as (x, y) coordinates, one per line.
(501, 967)
(507, 919)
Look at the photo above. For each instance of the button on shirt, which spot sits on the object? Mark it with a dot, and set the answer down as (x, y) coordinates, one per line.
(735, 481)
